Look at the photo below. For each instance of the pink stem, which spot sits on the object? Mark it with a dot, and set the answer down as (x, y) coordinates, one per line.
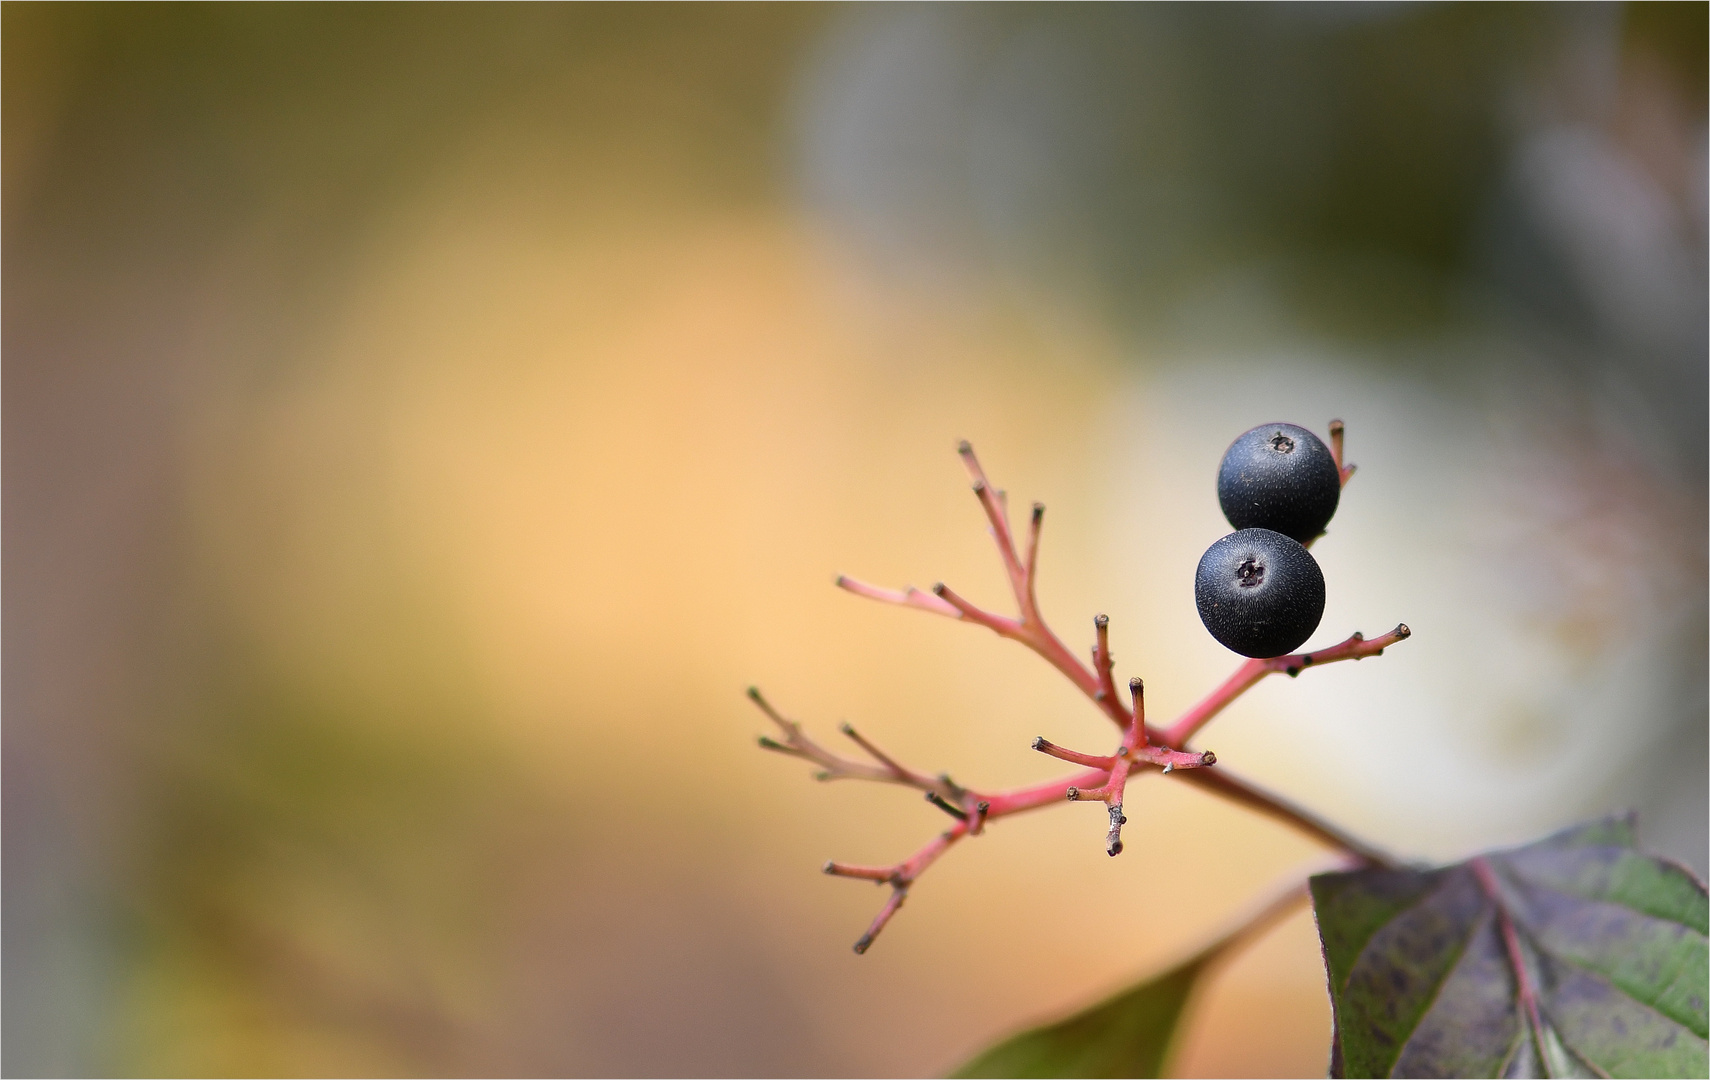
(910, 597)
(1102, 662)
(996, 623)
(892, 906)
(1355, 647)
(1073, 757)
(1030, 605)
(995, 513)
(907, 776)
(1213, 703)
(1004, 803)
(869, 873)
(1041, 640)
(900, 878)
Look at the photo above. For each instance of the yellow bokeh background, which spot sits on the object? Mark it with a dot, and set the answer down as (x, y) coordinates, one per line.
(423, 425)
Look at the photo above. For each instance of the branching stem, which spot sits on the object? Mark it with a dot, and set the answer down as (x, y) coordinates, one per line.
(1103, 778)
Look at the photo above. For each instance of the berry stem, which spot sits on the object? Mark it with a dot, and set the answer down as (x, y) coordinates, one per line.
(1356, 647)
(1337, 431)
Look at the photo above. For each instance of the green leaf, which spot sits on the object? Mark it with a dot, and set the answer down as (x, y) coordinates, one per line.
(1127, 1035)
(1575, 956)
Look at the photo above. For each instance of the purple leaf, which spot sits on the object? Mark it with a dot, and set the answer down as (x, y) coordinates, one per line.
(1575, 956)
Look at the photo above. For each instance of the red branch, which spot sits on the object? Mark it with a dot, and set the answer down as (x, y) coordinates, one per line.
(1248, 674)
(1104, 778)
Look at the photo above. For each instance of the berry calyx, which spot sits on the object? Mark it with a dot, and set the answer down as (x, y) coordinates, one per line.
(1279, 477)
(1260, 593)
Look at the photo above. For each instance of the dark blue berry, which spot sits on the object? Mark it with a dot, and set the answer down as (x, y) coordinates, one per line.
(1259, 593)
(1279, 477)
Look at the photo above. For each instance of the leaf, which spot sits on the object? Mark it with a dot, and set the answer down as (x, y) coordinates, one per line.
(1578, 955)
(1127, 1035)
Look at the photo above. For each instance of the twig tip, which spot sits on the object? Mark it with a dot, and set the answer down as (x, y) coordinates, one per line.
(1402, 632)
(954, 811)
(1208, 758)
(964, 447)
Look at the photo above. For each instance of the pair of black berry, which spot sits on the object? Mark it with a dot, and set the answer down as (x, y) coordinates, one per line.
(1259, 590)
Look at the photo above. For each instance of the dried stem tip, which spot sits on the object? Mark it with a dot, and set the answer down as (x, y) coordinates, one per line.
(1113, 839)
(1063, 753)
(938, 800)
(977, 821)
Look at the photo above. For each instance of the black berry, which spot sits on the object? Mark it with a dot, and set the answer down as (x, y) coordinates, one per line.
(1279, 477)
(1259, 592)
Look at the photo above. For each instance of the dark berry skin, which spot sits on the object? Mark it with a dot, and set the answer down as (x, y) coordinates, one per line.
(1279, 477)
(1259, 593)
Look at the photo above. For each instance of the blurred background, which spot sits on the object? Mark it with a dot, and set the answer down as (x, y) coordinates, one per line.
(422, 422)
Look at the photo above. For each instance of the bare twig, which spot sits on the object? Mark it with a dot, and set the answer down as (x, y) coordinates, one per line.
(1031, 603)
(1103, 664)
(833, 767)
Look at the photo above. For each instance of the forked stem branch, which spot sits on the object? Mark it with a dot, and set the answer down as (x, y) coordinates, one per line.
(1103, 778)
